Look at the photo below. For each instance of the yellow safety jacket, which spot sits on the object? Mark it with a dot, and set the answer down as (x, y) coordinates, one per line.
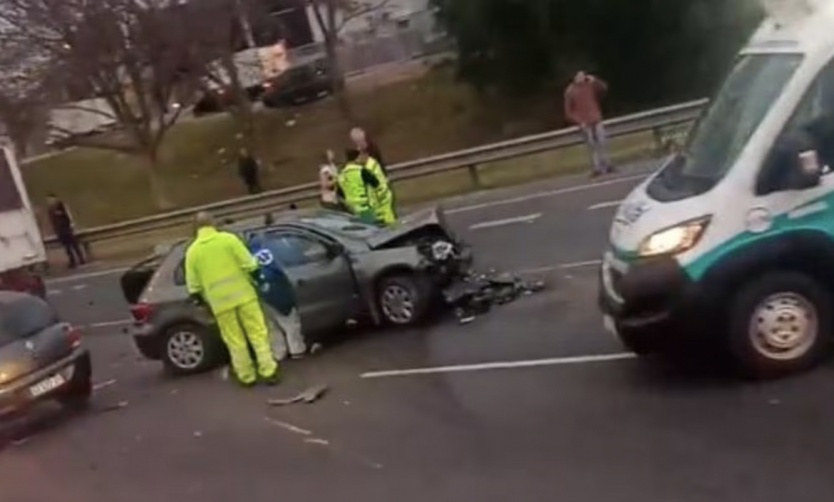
(218, 267)
(356, 192)
(382, 195)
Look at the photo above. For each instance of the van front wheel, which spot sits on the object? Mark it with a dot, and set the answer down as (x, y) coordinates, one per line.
(780, 324)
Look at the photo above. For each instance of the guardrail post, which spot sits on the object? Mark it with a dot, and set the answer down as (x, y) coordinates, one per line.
(475, 175)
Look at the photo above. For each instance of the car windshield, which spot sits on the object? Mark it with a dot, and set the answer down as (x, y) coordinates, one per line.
(23, 317)
(753, 85)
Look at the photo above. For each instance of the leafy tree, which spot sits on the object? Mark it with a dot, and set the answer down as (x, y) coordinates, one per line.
(650, 51)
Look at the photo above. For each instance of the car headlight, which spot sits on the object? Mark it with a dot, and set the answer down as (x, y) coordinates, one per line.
(674, 240)
(442, 250)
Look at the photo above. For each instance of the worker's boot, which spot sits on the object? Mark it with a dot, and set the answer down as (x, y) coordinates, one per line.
(234, 378)
(273, 379)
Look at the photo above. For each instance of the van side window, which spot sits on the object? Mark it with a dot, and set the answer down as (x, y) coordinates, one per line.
(814, 117)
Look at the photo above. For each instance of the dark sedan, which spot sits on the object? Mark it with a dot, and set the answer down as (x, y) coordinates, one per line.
(41, 357)
(341, 269)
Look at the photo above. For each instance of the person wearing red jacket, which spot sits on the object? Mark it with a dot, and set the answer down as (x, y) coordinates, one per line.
(582, 108)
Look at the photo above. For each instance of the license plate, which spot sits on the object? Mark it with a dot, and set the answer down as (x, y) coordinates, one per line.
(609, 325)
(48, 385)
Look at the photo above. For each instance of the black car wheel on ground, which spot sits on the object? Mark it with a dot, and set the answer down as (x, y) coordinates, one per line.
(189, 348)
(780, 324)
(403, 299)
(637, 341)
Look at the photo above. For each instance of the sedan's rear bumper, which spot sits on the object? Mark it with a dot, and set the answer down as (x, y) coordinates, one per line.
(75, 368)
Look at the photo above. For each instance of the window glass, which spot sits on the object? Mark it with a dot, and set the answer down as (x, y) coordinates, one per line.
(9, 196)
(24, 316)
(814, 117)
(293, 250)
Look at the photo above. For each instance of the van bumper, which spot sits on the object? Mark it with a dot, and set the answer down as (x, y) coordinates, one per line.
(650, 302)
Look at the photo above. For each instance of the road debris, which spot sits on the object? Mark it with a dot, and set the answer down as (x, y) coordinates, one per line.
(103, 385)
(288, 426)
(475, 294)
(310, 395)
(112, 407)
(322, 442)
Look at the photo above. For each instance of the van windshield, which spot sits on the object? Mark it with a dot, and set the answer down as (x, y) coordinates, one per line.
(735, 113)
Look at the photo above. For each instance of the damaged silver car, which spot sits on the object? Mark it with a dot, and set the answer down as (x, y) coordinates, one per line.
(341, 270)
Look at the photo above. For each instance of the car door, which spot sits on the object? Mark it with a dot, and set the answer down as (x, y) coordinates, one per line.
(323, 281)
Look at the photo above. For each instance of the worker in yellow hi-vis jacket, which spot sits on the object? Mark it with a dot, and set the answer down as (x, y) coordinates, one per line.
(221, 272)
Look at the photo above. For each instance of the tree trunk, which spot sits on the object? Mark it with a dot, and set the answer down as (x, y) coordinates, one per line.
(337, 79)
(159, 192)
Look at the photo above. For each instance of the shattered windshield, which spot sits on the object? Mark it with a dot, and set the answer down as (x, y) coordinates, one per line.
(735, 113)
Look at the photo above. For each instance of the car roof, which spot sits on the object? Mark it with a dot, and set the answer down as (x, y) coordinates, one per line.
(7, 297)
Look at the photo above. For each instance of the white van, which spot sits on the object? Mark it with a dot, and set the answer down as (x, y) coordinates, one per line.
(732, 240)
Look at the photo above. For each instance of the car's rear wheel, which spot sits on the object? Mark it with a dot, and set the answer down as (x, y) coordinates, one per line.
(403, 299)
(189, 349)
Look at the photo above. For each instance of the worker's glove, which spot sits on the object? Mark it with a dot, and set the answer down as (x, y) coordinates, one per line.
(197, 300)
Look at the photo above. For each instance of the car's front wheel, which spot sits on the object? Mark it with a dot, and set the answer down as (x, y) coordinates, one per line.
(780, 324)
(404, 299)
(190, 348)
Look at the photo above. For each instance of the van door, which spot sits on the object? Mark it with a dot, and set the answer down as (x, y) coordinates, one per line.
(812, 128)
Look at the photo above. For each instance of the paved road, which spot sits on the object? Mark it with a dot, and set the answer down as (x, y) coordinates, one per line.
(554, 423)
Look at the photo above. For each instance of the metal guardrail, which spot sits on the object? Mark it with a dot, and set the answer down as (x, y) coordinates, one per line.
(655, 121)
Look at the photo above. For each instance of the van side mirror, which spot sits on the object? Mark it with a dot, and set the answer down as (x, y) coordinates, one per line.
(791, 165)
(334, 250)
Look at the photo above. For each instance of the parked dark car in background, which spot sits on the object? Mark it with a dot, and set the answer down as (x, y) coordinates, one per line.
(299, 84)
(343, 270)
(41, 358)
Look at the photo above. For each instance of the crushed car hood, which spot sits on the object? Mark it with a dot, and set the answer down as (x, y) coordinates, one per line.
(429, 220)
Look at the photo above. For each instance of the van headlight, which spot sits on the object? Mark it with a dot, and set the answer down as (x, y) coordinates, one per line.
(674, 240)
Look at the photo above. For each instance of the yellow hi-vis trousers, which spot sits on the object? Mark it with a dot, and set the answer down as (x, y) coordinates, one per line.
(242, 323)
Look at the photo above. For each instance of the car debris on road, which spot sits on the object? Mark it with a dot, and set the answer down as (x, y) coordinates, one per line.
(474, 293)
(309, 396)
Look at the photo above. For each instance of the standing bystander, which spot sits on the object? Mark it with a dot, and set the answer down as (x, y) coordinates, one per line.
(582, 107)
(361, 142)
(60, 219)
(249, 171)
(328, 182)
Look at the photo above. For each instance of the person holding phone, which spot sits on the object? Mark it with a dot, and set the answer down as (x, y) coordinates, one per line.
(583, 108)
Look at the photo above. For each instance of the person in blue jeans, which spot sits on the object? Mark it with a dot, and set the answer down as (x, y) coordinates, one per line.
(278, 292)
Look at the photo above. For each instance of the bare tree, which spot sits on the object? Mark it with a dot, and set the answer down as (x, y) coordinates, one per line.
(332, 16)
(132, 54)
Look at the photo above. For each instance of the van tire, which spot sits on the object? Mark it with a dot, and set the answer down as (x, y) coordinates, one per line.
(779, 324)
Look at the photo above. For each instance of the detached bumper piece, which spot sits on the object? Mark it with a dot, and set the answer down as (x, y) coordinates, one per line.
(473, 294)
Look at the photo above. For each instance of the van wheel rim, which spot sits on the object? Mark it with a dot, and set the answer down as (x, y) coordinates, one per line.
(185, 350)
(398, 304)
(784, 326)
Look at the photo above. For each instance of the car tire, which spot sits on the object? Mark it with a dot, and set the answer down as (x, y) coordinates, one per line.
(780, 324)
(403, 299)
(190, 348)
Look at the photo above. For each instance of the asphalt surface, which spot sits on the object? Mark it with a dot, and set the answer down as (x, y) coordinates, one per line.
(531, 402)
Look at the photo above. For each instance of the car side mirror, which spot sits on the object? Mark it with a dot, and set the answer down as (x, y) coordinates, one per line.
(334, 250)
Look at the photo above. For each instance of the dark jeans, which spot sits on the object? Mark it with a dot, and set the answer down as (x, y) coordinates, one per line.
(72, 247)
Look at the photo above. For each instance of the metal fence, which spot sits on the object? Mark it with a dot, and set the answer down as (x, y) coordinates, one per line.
(666, 124)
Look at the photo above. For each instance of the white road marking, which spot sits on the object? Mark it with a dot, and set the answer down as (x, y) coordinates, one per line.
(558, 361)
(109, 324)
(288, 426)
(580, 264)
(79, 287)
(88, 275)
(604, 205)
(529, 218)
(103, 385)
(541, 195)
(53, 292)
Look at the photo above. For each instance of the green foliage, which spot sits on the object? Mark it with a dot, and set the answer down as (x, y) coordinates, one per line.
(650, 51)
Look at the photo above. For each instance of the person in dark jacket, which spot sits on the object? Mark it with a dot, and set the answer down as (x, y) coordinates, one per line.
(273, 255)
(63, 226)
(249, 171)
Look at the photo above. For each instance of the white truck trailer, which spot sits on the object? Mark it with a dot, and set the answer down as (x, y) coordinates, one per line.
(22, 248)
